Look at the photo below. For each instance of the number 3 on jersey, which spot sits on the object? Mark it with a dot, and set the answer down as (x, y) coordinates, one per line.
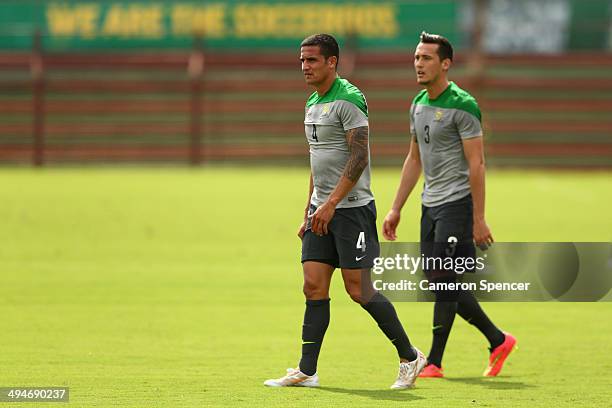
(426, 134)
(361, 242)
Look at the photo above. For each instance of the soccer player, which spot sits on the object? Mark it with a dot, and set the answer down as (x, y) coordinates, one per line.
(446, 143)
(339, 227)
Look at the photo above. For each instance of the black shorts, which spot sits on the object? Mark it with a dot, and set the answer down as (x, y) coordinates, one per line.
(351, 241)
(447, 232)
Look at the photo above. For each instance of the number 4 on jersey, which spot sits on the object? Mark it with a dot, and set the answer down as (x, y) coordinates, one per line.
(314, 133)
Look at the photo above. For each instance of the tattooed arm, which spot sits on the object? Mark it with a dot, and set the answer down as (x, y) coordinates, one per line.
(357, 140)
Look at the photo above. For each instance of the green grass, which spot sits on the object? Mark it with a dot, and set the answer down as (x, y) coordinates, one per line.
(173, 287)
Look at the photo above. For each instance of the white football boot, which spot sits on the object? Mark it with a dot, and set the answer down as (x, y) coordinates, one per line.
(408, 372)
(294, 378)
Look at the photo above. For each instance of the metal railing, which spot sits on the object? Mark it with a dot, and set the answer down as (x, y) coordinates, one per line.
(196, 107)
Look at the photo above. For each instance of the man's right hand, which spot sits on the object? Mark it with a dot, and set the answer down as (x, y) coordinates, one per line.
(390, 225)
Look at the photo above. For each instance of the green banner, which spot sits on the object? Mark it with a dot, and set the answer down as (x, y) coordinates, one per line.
(103, 25)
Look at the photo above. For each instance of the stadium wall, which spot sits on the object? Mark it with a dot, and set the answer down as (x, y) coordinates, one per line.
(187, 81)
(58, 108)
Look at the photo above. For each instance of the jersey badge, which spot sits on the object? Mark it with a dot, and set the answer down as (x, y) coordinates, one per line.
(438, 115)
(325, 110)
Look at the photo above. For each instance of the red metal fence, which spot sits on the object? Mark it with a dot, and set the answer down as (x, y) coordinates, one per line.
(56, 108)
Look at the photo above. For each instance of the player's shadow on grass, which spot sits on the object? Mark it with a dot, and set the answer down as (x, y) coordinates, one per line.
(386, 395)
(492, 383)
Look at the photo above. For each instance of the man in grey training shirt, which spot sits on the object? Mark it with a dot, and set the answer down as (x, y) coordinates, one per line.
(446, 143)
(339, 227)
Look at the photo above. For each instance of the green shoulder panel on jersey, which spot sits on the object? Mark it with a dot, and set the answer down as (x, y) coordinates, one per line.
(453, 97)
(418, 99)
(341, 89)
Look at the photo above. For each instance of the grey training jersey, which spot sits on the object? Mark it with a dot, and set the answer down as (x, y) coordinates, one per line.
(439, 126)
(328, 118)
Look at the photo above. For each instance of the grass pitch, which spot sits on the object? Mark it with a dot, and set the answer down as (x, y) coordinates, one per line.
(169, 287)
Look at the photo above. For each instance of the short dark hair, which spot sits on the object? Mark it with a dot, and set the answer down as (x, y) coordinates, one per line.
(327, 44)
(445, 49)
